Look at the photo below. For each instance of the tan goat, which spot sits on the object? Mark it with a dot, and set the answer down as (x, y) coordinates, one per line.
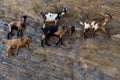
(18, 26)
(17, 43)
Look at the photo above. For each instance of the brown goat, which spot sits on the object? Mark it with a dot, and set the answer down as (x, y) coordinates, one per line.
(96, 24)
(17, 43)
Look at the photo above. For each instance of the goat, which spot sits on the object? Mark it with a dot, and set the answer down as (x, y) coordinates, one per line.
(55, 30)
(96, 24)
(53, 17)
(17, 26)
(17, 43)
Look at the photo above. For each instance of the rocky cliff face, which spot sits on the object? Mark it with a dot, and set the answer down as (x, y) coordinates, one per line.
(91, 59)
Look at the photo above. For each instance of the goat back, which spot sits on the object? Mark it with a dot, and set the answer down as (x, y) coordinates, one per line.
(50, 28)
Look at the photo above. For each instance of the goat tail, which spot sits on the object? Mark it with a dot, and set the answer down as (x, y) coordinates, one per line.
(73, 29)
(81, 23)
(9, 26)
(41, 13)
(42, 29)
(6, 24)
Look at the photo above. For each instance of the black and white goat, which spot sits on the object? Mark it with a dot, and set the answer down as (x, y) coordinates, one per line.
(96, 24)
(53, 17)
(18, 26)
(55, 30)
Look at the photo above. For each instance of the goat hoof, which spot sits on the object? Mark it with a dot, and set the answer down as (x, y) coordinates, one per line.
(28, 49)
(56, 44)
(7, 56)
(63, 46)
(16, 55)
(43, 46)
(48, 44)
(108, 36)
(8, 37)
(85, 37)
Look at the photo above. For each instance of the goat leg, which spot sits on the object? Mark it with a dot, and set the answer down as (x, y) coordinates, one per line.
(56, 22)
(62, 42)
(27, 46)
(48, 37)
(93, 34)
(18, 32)
(46, 42)
(9, 35)
(107, 32)
(21, 33)
(44, 24)
(17, 50)
(59, 41)
(7, 52)
(84, 35)
(42, 43)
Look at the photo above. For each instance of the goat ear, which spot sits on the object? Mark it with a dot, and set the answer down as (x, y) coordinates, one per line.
(29, 36)
(22, 38)
(41, 13)
(108, 15)
(24, 16)
(64, 9)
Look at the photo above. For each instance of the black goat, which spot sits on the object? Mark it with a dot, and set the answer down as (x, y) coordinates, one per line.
(53, 17)
(55, 30)
(18, 26)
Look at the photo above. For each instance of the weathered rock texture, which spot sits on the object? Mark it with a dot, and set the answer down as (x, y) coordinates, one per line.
(90, 59)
